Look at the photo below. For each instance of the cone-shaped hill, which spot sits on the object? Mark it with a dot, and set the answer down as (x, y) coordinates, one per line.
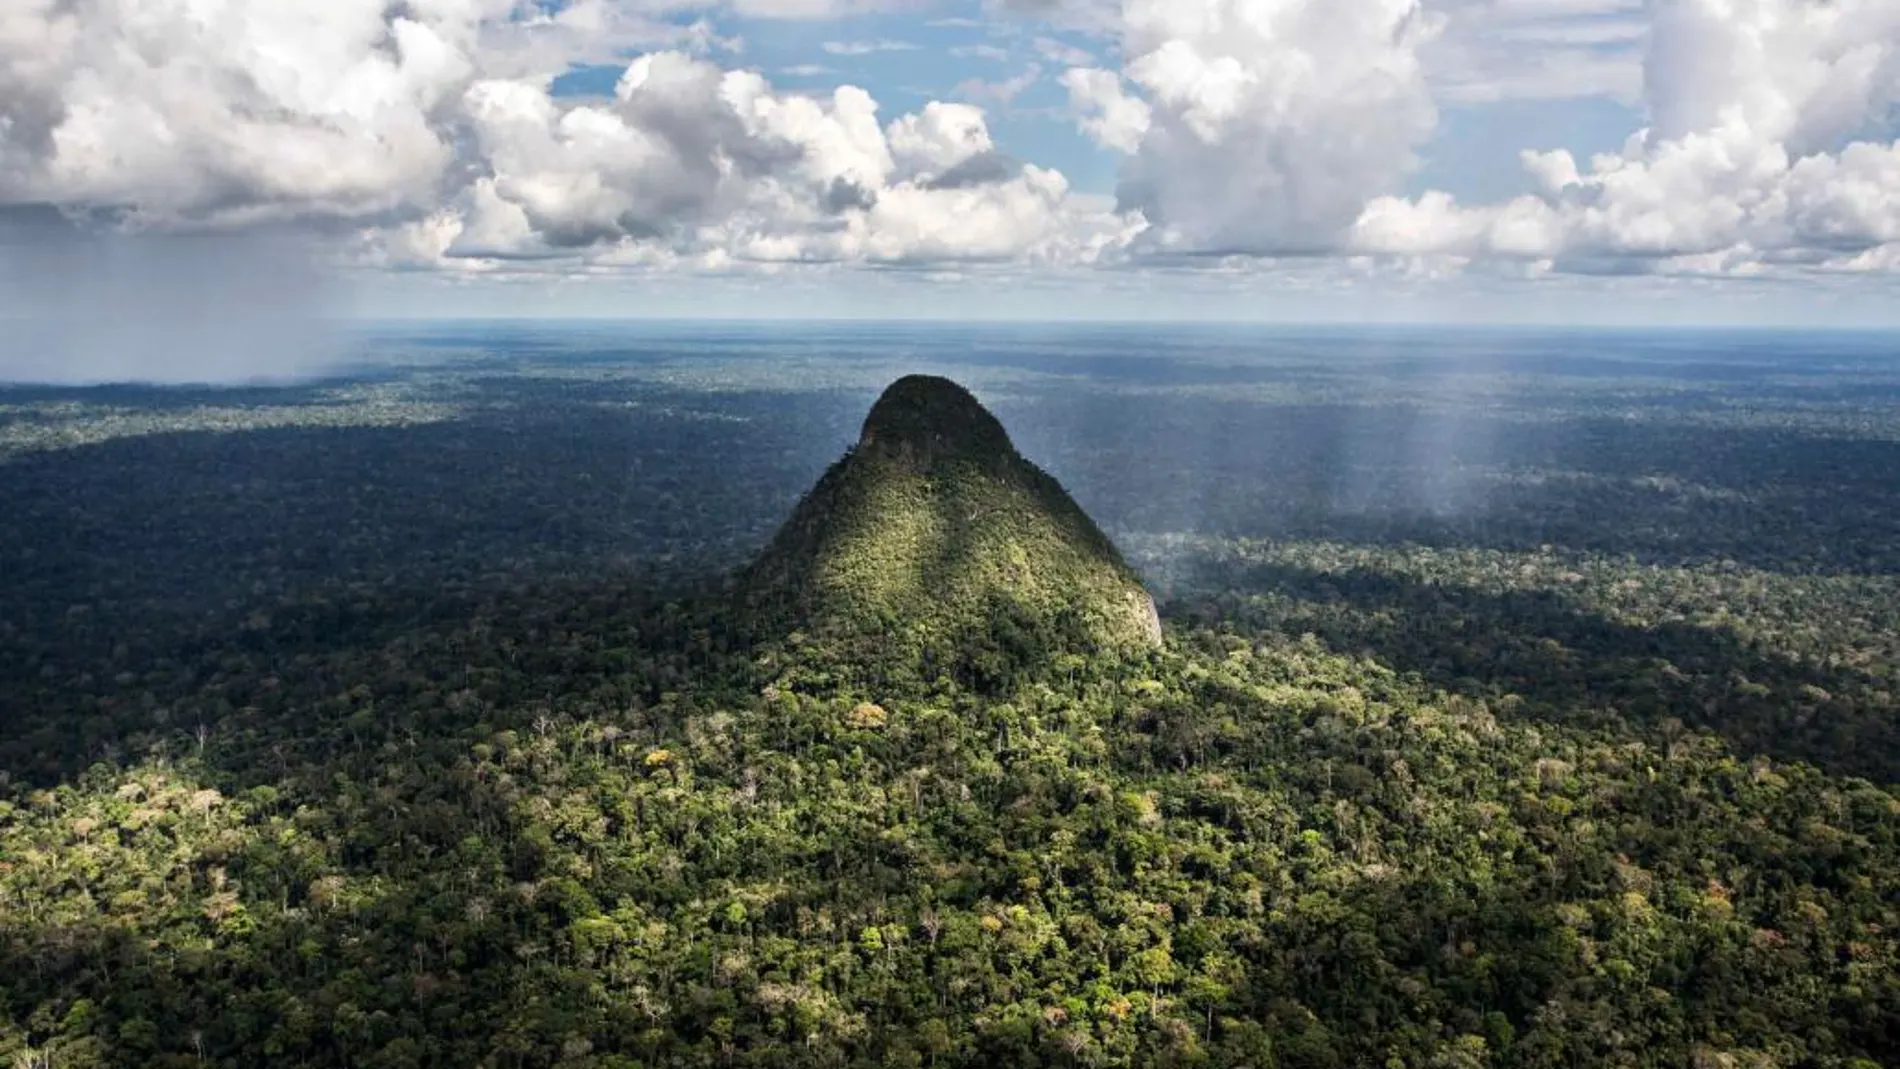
(934, 526)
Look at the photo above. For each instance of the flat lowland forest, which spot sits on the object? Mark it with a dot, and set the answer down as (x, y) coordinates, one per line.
(1527, 699)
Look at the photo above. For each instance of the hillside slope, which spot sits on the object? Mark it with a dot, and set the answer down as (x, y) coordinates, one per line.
(934, 524)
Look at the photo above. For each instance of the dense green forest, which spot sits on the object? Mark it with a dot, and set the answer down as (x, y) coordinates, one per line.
(1526, 701)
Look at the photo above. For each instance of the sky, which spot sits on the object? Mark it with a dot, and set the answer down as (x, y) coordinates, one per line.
(255, 163)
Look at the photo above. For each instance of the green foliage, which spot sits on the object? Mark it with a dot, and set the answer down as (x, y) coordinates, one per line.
(413, 749)
(1245, 847)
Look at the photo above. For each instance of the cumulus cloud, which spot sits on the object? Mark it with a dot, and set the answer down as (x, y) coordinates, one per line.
(173, 109)
(430, 131)
(693, 163)
(1770, 145)
(1257, 127)
(427, 136)
(234, 111)
(1109, 114)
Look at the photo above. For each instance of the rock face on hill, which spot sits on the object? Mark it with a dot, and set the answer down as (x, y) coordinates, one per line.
(934, 526)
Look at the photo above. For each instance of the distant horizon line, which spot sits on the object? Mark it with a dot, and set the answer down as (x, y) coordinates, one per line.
(921, 321)
(1326, 326)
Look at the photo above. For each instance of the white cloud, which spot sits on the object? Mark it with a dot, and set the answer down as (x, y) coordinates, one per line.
(1115, 119)
(1498, 50)
(1884, 259)
(866, 48)
(993, 221)
(1087, 16)
(938, 138)
(1248, 129)
(691, 164)
(1063, 54)
(1847, 199)
(989, 52)
(1532, 73)
(1004, 91)
(178, 109)
(1757, 159)
(1435, 224)
(1260, 127)
(235, 112)
(436, 130)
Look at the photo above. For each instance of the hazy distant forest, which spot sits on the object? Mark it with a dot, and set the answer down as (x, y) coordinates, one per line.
(1528, 700)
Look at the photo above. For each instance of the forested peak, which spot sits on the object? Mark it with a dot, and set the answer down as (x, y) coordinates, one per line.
(935, 535)
(930, 416)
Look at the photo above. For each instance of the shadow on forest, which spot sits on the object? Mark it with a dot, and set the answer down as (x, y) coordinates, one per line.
(1579, 668)
(145, 573)
(204, 516)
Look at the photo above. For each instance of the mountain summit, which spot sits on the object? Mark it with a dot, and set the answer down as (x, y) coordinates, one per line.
(934, 417)
(934, 528)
